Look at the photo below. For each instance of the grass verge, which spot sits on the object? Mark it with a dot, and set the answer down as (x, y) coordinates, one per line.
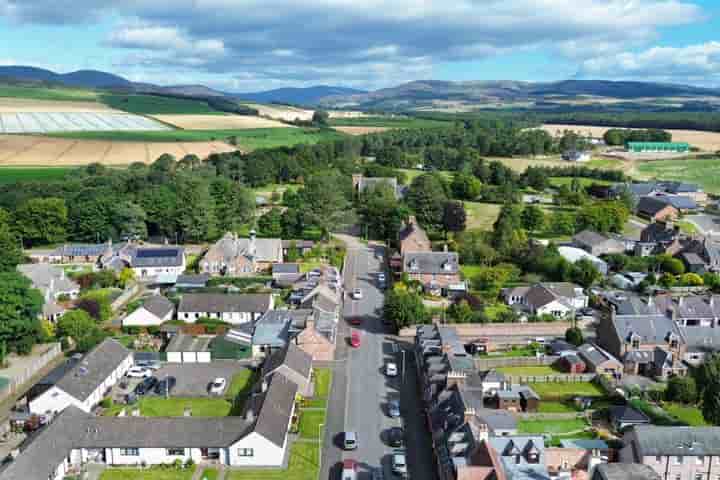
(303, 465)
(156, 473)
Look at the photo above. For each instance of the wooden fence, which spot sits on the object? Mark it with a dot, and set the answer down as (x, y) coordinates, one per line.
(486, 363)
(20, 378)
(556, 378)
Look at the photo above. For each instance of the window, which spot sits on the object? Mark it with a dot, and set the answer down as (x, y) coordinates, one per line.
(678, 461)
(635, 343)
(175, 452)
(245, 452)
(130, 452)
(699, 460)
(658, 459)
(678, 477)
(698, 476)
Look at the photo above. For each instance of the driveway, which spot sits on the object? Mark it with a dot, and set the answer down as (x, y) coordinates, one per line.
(193, 378)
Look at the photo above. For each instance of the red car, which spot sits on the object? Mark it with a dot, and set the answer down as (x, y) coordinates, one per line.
(349, 471)
(355, 339)
(355, 321)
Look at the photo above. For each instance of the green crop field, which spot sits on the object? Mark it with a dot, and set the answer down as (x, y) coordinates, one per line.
(32, 174)
(705, 171)
(156, 105)
(584, 182)
(47, 93)
(246, 139)
(388, 122)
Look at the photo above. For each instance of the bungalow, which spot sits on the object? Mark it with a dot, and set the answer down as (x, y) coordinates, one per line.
(557, 299)
(438, 272)
(233, 308)
(597, 244)
(257, 438)
(655, 209)
(86, 383)
(681, 203)
(154, 311)
(52, 284)
(689, 190)
(236, 257)
(598, 360)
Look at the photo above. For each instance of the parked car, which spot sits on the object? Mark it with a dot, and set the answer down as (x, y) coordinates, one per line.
(350, 440)
(139, 372)
(217, 386)
(165, 386)
(396, 436)
(149, 364)
(377, 474)
(393, 408)
(145, 386)
(399, 465)
(349, 471)
(355, 320)
(357, 294)
(391, 369)
(355, 339)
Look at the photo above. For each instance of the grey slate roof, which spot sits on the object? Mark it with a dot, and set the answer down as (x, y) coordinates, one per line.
(702, 339)
(497, 419)
(659, 232)
(625, 471)
(158, 305)
(275, 327)
(83, 250)
(652, 329)
(285, 268)
(167, 256)
(650, 205)
(291, 357)
(508, 447)
(592, 354)
(274, 417)
(680, 202)
(591, 238)
(653, 440)
(627, 414)
(82, 380)
(46, 277)
(445, 263)
(225, 302)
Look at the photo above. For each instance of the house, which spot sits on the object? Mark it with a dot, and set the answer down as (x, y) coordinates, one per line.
(557, 299)
(292, 363)
(572, 364)
(597, 244)
(257, 438)
(682, 203)
(598, 360)
(147, 263)
(624, 471)
(232, 256)
(53, 285)
(233, 308)
(362, 183)
(674, 453)
(285, 274)
(86, 383)
(303, 247)
(663, 232)
(189, 281)
(521, 457)
(655, 209)
(623, 416)
(517, 398)
(576, 156)
(689, 190)
(154, 311)
(413, 238)
(276, 328)
(438, 272)
(572, 255)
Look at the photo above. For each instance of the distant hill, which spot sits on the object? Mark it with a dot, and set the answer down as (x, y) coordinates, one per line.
(298, 96)
(80, 78)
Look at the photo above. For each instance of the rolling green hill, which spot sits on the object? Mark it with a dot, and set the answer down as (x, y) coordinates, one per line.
(156, 105)
(47, 93)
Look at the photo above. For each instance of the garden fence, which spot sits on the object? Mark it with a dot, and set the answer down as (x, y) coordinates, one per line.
(19, 379)
(557, 378)
(486, 363)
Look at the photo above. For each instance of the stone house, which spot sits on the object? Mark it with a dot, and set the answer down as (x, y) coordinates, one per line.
(237, 257)
(438, 272)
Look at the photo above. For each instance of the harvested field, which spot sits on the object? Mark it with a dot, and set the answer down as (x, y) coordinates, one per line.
(20, 105)
(27, 150)
(282, 112)
(708, 141)
(360, 130)
(219, 122)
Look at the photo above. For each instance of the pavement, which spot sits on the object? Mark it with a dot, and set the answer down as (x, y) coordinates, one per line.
(360, 394)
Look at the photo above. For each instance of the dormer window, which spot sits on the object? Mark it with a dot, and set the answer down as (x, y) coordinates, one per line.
(414, 264)
(447, 266)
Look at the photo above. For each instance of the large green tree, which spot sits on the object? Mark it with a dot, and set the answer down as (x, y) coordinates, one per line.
(20, 307)
(381, 212)
(454, 216)
(324, 201)
(404, 308)
(12, 253)
(426, 196)
(41, 221)
(196, 216)
(129, 219)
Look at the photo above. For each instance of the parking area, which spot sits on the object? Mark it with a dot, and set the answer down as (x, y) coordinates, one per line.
(193, 379)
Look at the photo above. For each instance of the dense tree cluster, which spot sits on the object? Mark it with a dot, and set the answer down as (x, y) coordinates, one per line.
(619, 136)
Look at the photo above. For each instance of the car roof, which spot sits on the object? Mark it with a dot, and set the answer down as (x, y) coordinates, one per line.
(351, 435)
(348, 463)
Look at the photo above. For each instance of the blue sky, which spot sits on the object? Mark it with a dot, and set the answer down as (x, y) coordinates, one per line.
(245, 45)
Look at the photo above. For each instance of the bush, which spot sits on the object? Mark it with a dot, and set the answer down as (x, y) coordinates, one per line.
(24, 346)
(106, 402)
(681, 389)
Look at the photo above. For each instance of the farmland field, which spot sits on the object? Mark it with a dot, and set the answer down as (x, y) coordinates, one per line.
(520, 164)
(709, 141)
(156, 105)
(47, 93)
(246, 139)
(25, 150)
(360, 130)
(388, 122)
(705, 172)
(23, 105)
(44, 122)
(219, 122)
(12, 175)
(281, 112)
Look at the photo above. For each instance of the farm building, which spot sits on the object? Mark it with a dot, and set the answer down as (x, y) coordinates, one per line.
(657, 147)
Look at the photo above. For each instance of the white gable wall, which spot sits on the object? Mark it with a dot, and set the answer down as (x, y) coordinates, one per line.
(554, 308)
(54, 400)
(141, 318)
(265, 453)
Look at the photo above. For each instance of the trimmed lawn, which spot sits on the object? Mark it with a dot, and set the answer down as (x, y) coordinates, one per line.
(323, 379)
(209, 474)
(310, 421)
(556, 390)
(147, 474)
(688, 414)
(241, 382)
(303, 466)
(309, 266)
(532, 370)
(517, 352)
(556, 407)
(694, 170)
(551, 426)
(584, 182)
(481, 216)
(469, 271)
(555, 440)
(175, 407)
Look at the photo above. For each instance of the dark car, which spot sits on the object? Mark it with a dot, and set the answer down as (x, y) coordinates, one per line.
(396, 436)
(393, 408)
(145, 386)
(165, 386)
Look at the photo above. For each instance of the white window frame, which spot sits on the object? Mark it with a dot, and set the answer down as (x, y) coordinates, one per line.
(246, 452)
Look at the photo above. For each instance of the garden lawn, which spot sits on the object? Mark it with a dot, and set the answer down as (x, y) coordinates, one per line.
(209, 474)
(303, 465)
(469, 271)
(688, 414)
(481, 216)
(175, 407)
(555, 407)
(241, 383)
(309, 266)
(310, 421)
(147, 474)
(584, 182)
(557, 390)
(323, 378)
(551, 426)
(531, 370)
(516, 352)
(492, 311)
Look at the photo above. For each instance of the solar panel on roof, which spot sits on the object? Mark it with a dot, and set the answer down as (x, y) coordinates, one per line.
(156, 253)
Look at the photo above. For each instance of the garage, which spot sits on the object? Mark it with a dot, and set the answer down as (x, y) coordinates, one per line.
(189, 349)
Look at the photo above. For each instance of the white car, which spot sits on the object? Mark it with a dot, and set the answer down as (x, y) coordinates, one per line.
(399, 466)
(139, 372)
(391, 369)
(357, 294)
(218, 386)
(149, 364)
